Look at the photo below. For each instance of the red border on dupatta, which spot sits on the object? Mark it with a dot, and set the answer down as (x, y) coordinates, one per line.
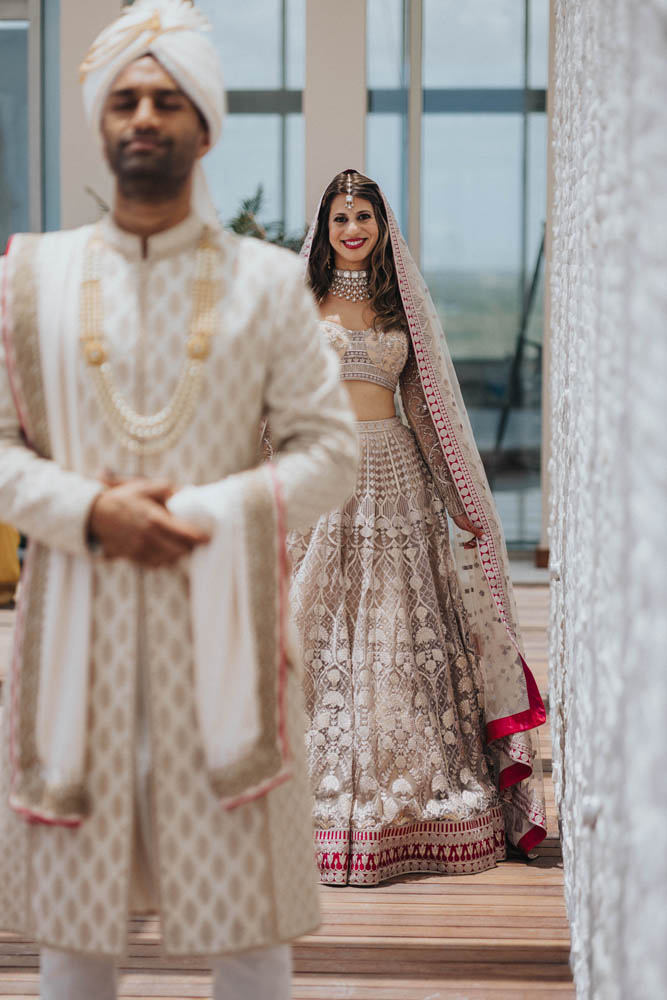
(535, 714)
(535, 836)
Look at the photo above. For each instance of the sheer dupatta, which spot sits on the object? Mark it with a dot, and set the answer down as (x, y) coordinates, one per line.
(434, 409)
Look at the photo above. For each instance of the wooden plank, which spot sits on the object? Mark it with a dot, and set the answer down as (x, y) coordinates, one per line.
(372, 988)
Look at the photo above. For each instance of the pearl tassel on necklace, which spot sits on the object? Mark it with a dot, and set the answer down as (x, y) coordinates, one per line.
(350, 285)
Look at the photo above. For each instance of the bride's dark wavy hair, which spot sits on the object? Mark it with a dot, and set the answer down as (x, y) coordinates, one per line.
(385, 298)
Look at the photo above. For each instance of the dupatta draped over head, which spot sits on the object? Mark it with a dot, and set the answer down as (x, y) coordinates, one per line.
(433, 407)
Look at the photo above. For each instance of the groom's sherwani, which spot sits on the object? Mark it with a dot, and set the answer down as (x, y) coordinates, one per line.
(226, 880)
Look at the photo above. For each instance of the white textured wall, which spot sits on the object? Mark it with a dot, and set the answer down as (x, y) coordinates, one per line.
(334, 97)
(609, 488)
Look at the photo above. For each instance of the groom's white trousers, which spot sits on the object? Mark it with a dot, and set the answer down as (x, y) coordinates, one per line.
(256, 975)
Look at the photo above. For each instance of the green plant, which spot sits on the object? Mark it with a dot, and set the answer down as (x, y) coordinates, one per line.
(246, 223)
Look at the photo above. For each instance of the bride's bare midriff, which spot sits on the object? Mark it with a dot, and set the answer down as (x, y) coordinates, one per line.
(370, 401)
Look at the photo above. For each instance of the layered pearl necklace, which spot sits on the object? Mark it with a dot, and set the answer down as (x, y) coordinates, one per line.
(149, 434)
(350, 285)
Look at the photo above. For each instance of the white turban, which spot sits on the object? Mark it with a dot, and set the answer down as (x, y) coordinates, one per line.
(172, 31)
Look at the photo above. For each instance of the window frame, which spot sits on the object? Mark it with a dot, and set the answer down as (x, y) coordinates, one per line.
(31, 11)
(281, 100)
(412, 100)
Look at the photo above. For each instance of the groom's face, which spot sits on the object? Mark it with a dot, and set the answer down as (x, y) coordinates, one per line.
(153, 134)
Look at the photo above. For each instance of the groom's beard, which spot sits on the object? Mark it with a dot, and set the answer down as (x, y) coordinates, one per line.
(152, 175)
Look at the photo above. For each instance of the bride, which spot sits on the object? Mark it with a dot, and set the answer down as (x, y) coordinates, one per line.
(420, 703)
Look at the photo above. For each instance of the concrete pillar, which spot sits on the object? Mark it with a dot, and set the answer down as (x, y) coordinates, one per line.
(81, 163)
(334, 99)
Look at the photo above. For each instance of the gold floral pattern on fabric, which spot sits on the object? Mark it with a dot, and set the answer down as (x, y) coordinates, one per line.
(368, 355)
(388, 350)
(393, 687)
(337, 337)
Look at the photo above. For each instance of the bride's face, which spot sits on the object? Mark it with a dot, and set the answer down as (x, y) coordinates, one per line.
(353, 232)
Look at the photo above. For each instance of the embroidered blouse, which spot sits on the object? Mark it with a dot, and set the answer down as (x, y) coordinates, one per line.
(366, 355)
(383, 358)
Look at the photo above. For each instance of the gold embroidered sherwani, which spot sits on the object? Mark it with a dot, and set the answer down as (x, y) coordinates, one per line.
(225, 880)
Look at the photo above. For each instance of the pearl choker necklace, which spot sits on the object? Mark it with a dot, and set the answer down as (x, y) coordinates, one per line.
(350, 285)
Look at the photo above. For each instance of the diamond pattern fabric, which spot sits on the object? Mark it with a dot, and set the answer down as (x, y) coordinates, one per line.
(226, 880)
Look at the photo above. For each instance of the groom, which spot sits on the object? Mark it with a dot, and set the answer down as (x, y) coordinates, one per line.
(151, 345)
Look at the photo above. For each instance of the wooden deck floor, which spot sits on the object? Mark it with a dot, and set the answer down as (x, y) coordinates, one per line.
(502, 935)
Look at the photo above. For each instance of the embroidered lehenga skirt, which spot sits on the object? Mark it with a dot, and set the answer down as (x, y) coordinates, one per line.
(399, 772)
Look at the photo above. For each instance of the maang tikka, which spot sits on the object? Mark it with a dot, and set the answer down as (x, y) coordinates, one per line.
(349, 198)
(350, 285)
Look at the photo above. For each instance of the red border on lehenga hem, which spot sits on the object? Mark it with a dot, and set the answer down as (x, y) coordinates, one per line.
(463, 847)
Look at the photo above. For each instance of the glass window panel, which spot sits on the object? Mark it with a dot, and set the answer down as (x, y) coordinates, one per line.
(51, 113)
(473, 210)
(14, 189)
(521, 446)
(384, 46)
(473, 44)
(295, 186)
(471, 191)
(295, 70)
(249, 39)
(471, 257)
(384, 156)
(536, 214)
(520, 513)
(247, 155)
(536, 193)
(538, 44)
